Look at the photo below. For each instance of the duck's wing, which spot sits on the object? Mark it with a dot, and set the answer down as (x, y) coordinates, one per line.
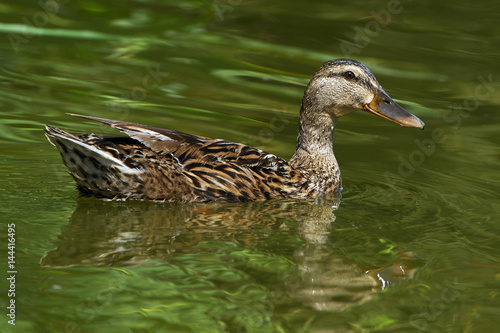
(205, 169)
(160, 140)
(193, 148)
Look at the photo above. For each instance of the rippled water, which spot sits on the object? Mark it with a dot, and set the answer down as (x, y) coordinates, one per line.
(414, 245)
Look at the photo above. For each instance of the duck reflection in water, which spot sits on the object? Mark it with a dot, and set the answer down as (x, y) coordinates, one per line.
(132, 233)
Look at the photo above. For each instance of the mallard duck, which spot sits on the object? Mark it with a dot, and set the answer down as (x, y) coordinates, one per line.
(160, 164)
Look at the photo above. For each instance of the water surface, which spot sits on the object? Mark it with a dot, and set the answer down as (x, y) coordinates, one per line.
(414, 245)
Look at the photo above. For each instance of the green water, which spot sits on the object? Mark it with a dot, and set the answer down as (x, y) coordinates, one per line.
(419, 209)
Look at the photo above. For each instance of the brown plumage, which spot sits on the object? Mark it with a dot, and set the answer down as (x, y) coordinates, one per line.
(165, 165)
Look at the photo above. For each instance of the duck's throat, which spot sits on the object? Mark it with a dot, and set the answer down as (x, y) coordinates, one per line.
(314, 142)
(314, 157)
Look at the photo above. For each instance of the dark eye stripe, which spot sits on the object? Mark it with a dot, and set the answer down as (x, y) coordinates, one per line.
(359, 79)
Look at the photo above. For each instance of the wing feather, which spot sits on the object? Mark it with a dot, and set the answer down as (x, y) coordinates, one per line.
(188, 147)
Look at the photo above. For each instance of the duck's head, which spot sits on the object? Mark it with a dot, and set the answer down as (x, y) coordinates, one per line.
(342, 86)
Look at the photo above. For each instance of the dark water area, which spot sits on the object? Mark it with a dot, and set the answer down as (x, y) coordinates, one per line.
(413, 244)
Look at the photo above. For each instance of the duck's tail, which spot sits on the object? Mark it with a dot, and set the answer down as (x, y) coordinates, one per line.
(95, 170)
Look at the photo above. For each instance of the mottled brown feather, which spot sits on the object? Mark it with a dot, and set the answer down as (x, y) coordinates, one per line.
(183, 168)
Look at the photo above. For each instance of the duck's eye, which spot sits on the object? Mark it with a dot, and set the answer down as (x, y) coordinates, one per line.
(349, 75)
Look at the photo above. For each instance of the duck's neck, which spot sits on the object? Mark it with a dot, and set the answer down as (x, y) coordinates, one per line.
(314, 143)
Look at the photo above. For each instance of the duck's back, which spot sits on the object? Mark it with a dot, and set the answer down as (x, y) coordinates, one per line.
(161, 164)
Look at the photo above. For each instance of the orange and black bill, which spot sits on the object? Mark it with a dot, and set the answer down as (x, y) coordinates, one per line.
(382, 105)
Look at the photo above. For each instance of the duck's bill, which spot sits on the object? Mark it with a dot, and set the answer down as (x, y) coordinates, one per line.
(382, 105)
